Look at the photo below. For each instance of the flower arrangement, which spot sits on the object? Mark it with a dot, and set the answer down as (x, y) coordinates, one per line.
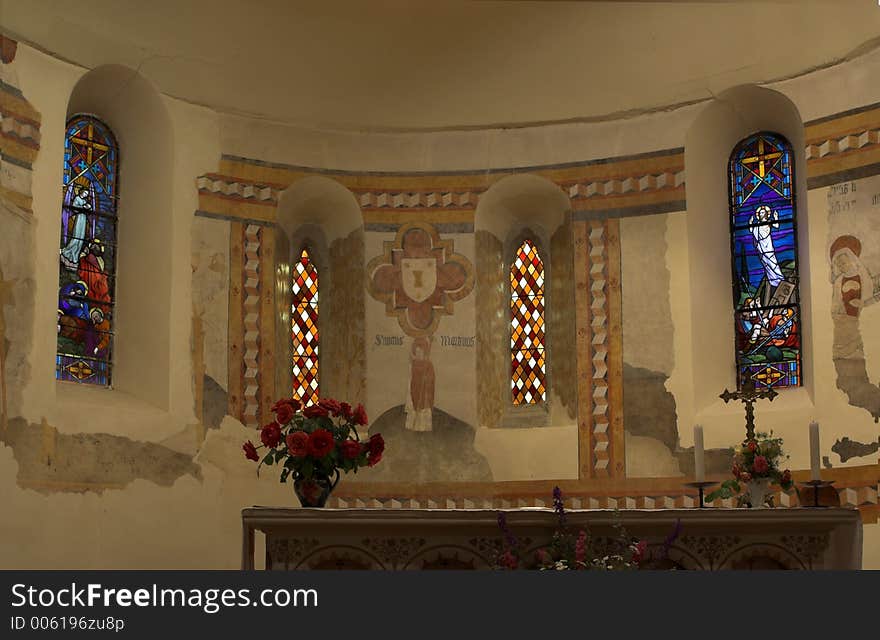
(755, 459)
(312, 444)
(568, 551)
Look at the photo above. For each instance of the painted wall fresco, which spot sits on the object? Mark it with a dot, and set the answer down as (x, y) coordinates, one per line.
(418, 285)
(19, 145)
(854, 255)
(210, 264)
(343, 360)
(493, 359)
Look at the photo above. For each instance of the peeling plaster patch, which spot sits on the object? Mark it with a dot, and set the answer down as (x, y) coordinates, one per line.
(846, 448)
(214, 403)
(52, 461)
(649, 411)
(444, 454)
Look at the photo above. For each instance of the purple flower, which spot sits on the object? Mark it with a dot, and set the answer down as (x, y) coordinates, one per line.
(509, 538)
(671, 538)
(558, 507)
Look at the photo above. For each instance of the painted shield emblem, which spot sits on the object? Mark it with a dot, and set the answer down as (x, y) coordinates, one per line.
(419, 277)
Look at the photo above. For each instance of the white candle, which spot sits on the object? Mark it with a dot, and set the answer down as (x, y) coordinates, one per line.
(699, 461)
(814, 451)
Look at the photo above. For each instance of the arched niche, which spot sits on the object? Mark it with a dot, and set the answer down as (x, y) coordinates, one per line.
(324, 215)
(515, 208)
(135, 111)
(734, 115)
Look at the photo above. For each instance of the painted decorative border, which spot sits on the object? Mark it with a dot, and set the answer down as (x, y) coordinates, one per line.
(19, 138)
(600, 374)
(251, 312)
(642, 493)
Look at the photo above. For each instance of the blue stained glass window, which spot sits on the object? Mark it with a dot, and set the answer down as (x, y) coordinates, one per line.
(763, 237)
(87, 257)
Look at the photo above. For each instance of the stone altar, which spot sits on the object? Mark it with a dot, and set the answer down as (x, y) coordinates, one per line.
(419, 539)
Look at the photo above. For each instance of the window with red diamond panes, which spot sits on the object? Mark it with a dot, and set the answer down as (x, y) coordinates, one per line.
(304, 329)
(528, 376)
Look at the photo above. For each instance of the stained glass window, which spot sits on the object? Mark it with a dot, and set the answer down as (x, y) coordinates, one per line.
(87, 260)
(763, 238)
(527, 380)
(304, 328)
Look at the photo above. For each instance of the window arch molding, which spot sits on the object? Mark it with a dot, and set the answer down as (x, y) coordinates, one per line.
(144, 340)
(701, 373)
(516, 208)
(320, 213)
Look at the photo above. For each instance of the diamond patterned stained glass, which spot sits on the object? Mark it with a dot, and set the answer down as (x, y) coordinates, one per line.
(528, 376)
(304, 329)
(87, 257)
(763, 241)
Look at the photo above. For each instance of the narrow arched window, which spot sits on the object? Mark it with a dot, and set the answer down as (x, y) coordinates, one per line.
(87, 260)
(304, 329)
(528, 376)
(763, 240)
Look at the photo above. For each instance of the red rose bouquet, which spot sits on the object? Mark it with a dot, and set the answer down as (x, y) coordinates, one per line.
(313, 443)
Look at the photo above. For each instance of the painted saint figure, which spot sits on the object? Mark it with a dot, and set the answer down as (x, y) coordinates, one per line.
(762, 223)
(854, 290)
(420, 399)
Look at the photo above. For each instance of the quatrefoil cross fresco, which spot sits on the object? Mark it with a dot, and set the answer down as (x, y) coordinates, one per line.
(419, 277)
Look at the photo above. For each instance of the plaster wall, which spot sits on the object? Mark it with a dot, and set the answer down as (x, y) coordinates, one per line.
(184, 512)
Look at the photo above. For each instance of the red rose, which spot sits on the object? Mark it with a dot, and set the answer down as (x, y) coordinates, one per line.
(752, 446)
(375, 447)
(736, 471)
(331, 405)
(271, 435)
(284, 413)
(760, 465)
(351, 449)
(745, 476)
(315, 411)
(298, 443)
(346, 410)
(291, 402)
(250, 451)
(360, 415)
(320, 443)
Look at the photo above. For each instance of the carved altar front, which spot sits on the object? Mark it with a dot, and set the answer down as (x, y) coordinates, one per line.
(419, 539)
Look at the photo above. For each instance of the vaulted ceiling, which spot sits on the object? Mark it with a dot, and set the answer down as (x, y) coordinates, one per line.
(414, 64)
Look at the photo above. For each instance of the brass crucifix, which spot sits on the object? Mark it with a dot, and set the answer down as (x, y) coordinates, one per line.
(748, 395)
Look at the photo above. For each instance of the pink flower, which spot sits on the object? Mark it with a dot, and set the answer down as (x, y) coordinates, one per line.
(639, 551)
(745, 476)
(760, 465)
(508, 560)
(752, 446)
(580, 547)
